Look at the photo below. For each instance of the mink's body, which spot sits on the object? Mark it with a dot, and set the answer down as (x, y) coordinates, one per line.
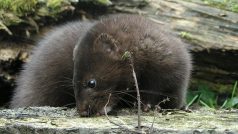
(82, 63)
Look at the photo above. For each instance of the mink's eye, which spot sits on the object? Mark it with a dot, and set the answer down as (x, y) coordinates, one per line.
(92, 83)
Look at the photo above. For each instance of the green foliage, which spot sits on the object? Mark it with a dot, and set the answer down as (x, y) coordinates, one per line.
(233, 101)
(18, 7)
(5, 4)
(231, 5)
(14, 12)
(191, 99)
(54, 7)
(3, 27)
(204, 96)
(54, 3)
(104, 2)
(185, 35)
(234, 8)
(208, 98)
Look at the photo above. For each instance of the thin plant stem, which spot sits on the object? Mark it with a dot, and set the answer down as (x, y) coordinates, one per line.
(105, 110)
(138, 93)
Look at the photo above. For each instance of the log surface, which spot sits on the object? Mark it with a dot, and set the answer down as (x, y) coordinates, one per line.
(39, 120)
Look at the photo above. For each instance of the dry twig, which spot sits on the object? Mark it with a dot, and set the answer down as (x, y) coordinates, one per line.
(105, 110)
(127, 55)
(138, 94)
(156, 109)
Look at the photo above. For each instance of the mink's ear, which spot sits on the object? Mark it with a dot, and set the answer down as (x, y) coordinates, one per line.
(106, 44)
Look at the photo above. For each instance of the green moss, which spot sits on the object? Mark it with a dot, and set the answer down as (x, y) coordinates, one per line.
(5, 4)
(54, 3)
(19, 7)
(14, 12)
(54, 7)
(9, 18)
(231, 5)
(3, 121)
(104, 2)
(234, 8)
(185, 35)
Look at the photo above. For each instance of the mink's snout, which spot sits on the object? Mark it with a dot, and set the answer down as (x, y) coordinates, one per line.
(94, 106)
(85, 111)
(88, 111)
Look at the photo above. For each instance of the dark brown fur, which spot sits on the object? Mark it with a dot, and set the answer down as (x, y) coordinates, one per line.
(162, 64)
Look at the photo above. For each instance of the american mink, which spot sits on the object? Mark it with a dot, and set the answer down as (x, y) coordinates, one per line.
(82, 62)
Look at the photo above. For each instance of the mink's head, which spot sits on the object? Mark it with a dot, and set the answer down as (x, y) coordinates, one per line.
(99, 71)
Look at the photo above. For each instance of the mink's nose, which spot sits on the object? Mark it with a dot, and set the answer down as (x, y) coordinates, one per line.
(84, 114)
(84, 111)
